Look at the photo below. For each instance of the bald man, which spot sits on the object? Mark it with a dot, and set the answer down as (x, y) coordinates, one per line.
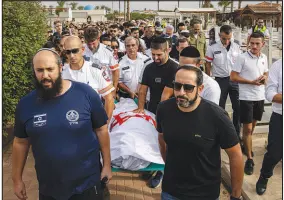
(66, 125)
(87, 72)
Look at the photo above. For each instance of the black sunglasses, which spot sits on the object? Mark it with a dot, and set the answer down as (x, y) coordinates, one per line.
(187, 87)
(73, 51)
(114, 47)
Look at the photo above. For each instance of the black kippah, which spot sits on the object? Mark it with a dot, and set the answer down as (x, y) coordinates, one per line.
(190, 52)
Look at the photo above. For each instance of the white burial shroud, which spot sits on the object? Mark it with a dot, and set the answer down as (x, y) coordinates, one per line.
(133, 137)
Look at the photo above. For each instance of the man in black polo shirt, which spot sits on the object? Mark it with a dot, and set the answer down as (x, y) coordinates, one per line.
(156, 76)
(192, 152)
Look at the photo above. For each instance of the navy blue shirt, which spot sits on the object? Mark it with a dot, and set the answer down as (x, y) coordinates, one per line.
(64, 144)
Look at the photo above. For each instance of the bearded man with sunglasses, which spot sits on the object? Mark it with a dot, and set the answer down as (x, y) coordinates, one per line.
(192, 152)
(86, 72)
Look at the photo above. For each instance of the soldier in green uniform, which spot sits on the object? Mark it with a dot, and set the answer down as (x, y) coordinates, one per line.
(197, 38)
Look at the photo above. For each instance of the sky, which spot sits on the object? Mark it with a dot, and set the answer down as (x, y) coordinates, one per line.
(153, 5)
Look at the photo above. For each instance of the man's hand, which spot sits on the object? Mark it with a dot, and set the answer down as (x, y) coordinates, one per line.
(262, 79)
(106, 172)
(139, 110)
(20, 190)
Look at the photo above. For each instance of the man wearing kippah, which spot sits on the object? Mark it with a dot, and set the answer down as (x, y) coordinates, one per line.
(211, 91)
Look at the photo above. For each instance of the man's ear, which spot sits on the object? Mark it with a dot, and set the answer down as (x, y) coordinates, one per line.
(60, 68)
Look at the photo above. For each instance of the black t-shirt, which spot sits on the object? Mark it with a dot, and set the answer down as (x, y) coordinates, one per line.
(156, 78)
(193, 161)
(148, 41)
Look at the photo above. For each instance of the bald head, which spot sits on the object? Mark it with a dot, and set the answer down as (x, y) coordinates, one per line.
(46, 57)
(72, 42)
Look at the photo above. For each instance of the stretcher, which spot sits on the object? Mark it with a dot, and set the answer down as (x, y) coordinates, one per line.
(151, 167)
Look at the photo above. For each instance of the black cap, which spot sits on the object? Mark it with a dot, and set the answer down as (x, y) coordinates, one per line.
(190, 52)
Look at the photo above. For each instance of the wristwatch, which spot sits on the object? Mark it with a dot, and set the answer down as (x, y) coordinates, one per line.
(234, 198)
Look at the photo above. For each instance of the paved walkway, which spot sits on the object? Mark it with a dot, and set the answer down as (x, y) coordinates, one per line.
(123, 186)
(274, 188)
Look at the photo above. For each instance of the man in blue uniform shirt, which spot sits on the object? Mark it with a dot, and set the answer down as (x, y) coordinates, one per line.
(66, 125)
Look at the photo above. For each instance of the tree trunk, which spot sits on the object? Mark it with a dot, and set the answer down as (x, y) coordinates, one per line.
(119, 7)
(178, 3)
(232, 6)
(158, 5)
(206, 5)
(240, 3)
(124, 3)
(128, 10)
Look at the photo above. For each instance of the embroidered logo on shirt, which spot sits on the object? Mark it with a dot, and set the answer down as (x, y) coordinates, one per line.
(72, 116)
(158, 80)
(106, 76)
(39, 120)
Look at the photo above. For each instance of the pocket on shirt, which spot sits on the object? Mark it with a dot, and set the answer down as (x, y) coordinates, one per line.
(127, 76)
(203, 143)
(218, 59)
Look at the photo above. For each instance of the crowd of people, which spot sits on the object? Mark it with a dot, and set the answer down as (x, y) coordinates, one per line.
(83, 70)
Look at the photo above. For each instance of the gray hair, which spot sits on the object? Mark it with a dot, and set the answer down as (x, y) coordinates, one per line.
(170, 27)
(131, 38)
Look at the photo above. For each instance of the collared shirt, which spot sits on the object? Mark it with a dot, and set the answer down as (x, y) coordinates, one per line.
(130, 70)
(103, 57)
(222, 60)
(251, 67)
(90, 75)
(211, 90)
(274, 85)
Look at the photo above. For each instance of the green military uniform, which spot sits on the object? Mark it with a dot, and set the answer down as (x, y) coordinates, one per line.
(199, 43)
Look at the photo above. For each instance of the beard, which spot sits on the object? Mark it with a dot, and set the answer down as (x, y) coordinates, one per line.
(184, 102)
(48, 93)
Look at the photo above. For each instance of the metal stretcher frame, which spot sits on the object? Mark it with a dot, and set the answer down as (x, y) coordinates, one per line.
(151, 167)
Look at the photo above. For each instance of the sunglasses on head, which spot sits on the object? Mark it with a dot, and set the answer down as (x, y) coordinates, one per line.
(73, 51)
(114, 47)
(186, 87)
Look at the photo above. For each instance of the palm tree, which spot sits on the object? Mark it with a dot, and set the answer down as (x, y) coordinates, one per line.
(60, 5)
(224, 4)
(73, 5)
(232, 5)
(158, 5)
(80, 7)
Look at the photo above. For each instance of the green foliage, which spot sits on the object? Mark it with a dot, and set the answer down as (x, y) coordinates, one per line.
(135, 16)
(224, 4)
(73, 5)
(24, 29)
(80, 7)
(60, 5)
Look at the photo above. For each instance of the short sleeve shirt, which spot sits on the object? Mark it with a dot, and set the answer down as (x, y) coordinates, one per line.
(130, 70)
(251, 67)
(90, 75)
(63, 139)
(156, 78)
(222, 60)
(193, 164)
(103, 57)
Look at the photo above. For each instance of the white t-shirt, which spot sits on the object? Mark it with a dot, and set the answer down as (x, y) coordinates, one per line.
(92, 76)
(274, 85)
(211, 90)
(130, 70)
(103, 57)
(222, 60)
(251, 67)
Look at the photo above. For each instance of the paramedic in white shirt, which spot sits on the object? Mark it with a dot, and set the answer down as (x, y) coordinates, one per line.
(273, 93)
(100, 54)
(220, 57)
(86, 72)
(211, 90)
(250, 71)
(130, 66)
